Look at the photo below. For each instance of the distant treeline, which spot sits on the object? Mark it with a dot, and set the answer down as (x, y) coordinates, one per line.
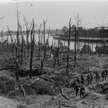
(52, 32)
(93, 32)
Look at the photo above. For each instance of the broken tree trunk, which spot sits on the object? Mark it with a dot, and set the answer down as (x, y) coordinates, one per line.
(75, 47)
(32, 48)
(11, 39)
(17, 47)
(39, 43)
(44, 55)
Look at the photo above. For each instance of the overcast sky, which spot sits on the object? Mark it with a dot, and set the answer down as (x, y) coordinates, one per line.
(57, 13)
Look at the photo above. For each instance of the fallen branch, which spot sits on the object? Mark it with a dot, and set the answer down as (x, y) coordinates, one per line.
(22, 88)
(60, 88)
(61, 91)
(24, 93)
(65, 105)
(12, 91)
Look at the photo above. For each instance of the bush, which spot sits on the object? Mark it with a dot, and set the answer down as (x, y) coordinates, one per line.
(86, 49)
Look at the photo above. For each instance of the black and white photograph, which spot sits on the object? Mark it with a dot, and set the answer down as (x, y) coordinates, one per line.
(53, 53)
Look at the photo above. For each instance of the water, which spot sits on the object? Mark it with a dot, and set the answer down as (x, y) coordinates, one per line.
(51, 41)
(72, 43)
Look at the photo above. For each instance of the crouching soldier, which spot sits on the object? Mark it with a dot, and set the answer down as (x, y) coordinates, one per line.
(82, 91)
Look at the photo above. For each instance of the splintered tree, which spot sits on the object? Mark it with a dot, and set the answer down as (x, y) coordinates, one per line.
(47, 43)
(68, 46)
(17, 46)
(2, 37)
(27, 32)
(58, 51)
(32, 46)
(44, 55)
(11, 39)
(39, 41)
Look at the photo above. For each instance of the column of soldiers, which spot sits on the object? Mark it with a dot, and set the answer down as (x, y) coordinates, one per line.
(80, 82)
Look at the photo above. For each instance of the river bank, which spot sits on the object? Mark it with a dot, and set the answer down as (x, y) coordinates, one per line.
(83, 39)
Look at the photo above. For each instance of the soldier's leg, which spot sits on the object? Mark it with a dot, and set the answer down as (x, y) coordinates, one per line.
(80, 94)
(76, 91)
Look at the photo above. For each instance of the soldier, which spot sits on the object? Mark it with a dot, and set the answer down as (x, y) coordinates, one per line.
(78, 80)
(73, 84)
(76, 88)
(88, 79)
(103, 75)
(91, 78)
(82, 91)
(106, 73)
(97, 76)
(82, 79)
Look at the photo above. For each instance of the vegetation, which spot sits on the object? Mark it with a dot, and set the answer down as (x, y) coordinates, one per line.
(37, 73)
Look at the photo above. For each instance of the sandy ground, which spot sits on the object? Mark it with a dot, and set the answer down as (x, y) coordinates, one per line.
(7, 103)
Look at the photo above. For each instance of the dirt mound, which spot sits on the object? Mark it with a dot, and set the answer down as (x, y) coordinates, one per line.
(41, 87)
(102, 88)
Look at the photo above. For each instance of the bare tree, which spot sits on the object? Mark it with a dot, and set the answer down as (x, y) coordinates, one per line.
(68, 46)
